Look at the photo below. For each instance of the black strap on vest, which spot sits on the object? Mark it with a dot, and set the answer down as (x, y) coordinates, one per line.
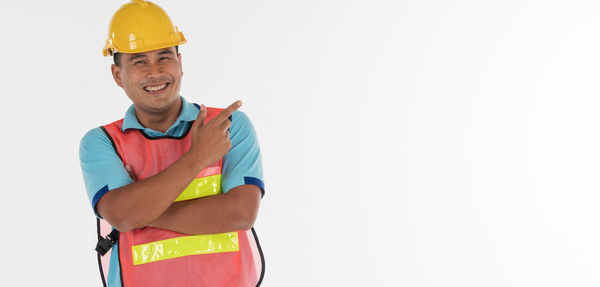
(105, 244)
(262, 258)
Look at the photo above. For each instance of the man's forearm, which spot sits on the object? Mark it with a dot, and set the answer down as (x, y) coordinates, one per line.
(233, 211)
(142, 201)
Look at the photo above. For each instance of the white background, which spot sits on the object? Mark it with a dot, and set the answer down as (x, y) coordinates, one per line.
(405, 143)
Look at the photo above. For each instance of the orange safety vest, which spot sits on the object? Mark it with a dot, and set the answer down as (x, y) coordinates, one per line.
(154, 257)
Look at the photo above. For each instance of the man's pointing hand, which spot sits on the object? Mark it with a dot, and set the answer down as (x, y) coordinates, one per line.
(210, 140)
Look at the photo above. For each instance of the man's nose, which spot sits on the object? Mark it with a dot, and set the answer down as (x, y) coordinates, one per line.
(154, 70)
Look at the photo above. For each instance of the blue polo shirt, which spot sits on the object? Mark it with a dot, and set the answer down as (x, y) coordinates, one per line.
(103, 170)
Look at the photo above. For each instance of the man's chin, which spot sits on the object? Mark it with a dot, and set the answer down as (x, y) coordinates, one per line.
(160, 105)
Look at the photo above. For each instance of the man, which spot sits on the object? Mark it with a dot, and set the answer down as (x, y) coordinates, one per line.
(180, 183)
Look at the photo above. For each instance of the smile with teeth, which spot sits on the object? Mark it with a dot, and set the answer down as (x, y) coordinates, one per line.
(155, 88)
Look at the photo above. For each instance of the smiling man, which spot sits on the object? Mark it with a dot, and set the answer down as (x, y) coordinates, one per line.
(178, 184)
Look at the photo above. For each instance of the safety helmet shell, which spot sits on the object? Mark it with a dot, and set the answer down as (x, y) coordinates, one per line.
(141, 26)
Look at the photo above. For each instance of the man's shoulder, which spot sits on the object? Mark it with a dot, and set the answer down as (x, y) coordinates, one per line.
(240, 118)
(93, 135)
(98, 133)
(242, 129)
(93, 139)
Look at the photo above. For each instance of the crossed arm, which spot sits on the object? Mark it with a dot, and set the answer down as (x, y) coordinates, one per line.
(232, 211)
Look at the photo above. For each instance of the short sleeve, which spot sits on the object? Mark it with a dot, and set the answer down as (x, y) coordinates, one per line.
(102, 168)
(242, 164)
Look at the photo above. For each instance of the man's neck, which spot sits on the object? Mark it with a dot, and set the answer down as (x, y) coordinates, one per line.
(160, 121)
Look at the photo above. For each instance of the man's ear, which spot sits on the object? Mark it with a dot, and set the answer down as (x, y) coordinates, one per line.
(116, 72)
(179, 59)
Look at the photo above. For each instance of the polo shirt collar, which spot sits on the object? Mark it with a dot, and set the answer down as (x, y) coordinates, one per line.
(189, 113)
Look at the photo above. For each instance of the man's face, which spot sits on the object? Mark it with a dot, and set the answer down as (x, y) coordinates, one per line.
(150, 79)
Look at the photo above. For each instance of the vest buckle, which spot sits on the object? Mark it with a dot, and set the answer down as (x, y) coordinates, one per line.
(105, 244)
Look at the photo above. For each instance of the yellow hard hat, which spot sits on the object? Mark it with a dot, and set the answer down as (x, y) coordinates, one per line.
(141, 26)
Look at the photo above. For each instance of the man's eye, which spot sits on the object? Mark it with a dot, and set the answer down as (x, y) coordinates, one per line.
(164, 58)
(138, 62)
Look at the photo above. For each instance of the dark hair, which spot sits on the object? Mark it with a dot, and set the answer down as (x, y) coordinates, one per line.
(117, 56)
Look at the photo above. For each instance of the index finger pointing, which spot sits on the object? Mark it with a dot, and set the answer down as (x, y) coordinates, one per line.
(224, 114)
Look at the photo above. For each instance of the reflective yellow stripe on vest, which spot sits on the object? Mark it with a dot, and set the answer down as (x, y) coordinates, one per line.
(201, 187)
(185, 246)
